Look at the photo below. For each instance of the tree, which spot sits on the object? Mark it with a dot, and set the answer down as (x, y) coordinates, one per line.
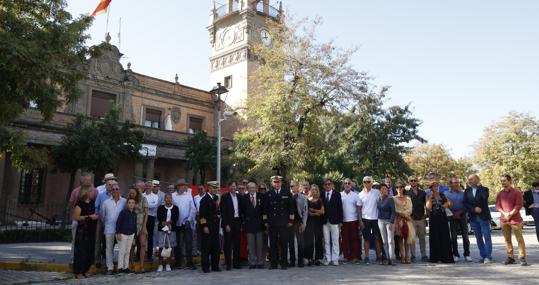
(308, 109)
(42, 52)
(201, 151)
(426, 158)
(96, 145)
(509, 146)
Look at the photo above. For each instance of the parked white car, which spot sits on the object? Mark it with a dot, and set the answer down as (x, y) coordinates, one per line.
(495, 224)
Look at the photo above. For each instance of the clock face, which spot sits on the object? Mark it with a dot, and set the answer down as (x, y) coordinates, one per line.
(265, 37)
(228, 37)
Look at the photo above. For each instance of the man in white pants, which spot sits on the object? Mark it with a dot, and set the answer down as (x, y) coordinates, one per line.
(334, 217)
(109, 215)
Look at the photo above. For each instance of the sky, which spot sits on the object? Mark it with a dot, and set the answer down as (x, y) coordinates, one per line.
(461, 64)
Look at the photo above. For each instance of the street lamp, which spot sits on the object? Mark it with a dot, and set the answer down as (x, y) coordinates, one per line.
(218, 90)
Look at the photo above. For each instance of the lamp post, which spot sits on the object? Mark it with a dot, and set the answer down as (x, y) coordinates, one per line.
(218, 90)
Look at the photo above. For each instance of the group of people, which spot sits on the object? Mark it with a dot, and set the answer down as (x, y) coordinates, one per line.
(300, 225)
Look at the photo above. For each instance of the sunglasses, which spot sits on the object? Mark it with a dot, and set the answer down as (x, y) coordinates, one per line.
(399, 187)
(413, 180)
(116, 189)
(347, 183)
(366, 182)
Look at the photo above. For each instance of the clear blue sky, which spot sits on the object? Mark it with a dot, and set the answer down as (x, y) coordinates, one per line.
(461, 64)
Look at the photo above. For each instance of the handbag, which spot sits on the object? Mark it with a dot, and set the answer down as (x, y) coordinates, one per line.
(167, 250)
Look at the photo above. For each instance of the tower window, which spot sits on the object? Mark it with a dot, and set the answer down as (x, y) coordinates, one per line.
(153, 118)
(228, 82)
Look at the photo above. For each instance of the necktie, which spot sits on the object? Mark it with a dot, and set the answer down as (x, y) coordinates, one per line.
(327, 196)
(253, 201)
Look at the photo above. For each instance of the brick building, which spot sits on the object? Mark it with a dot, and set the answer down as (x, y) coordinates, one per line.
(167, 112)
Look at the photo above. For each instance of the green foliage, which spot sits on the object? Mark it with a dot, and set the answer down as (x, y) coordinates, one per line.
(201, 154)
(97, 145)
(42, 53)
(510, 146)
(426, 158)
(312, 115)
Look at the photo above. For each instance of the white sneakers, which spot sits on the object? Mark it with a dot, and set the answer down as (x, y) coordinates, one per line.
(487, 261)
(456, 258)
(160, 268)
(468, 259)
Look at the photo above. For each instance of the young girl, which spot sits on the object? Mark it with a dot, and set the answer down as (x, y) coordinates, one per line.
(126, 226)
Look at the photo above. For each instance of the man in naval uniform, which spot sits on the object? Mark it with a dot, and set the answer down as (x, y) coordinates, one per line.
(278, 215)
(209, 219)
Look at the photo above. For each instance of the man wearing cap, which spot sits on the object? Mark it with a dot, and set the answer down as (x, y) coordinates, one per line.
(157, 191)
(531, 205)
(209, 224)
(279, 217)
(184, 237)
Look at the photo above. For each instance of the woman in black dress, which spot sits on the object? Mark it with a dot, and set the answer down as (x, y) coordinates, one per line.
(313, 230)
(84, 213)
(439, 238)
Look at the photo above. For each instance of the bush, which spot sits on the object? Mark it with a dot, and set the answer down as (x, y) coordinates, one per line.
(39, 235)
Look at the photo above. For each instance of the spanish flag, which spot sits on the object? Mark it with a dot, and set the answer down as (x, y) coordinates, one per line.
(101, 7)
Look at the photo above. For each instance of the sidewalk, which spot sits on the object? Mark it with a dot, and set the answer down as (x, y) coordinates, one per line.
(50, 256)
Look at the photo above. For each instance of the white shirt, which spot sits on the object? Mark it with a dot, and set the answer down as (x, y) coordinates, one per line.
(101, 189)
(349, 206)
(474, 191)
(153, 203)
(110, 210)
(368, 201)
(235, 203)
(169, 212)
(328, 195)
(185, 204)
(197, 199)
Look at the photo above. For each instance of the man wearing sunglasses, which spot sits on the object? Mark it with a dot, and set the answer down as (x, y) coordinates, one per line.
(110, 210)
(368, 204)
(419, 199)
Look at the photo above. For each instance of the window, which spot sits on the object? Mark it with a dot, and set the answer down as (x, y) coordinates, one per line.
(228, 82)
(153, 118)
(31, 186)
(195, 124)
(101, 103)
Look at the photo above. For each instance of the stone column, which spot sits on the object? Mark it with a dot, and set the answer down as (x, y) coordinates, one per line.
(139, 169)
(150, 168)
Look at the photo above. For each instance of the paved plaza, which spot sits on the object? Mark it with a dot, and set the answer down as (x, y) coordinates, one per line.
(419, 273)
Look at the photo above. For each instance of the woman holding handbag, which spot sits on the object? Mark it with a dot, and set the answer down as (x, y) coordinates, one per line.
(167, 216)
(404, 228)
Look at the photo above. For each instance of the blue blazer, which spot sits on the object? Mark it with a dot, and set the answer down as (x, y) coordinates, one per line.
(333, 208)
(480, 200)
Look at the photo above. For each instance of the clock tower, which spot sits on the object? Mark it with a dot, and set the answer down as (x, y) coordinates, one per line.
(234, 27)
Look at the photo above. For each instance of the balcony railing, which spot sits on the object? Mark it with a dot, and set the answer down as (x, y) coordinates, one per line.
(267, 10)
(261, 8)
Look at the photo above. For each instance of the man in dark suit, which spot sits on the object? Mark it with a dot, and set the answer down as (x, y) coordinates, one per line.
(333, 220)
(531, 205)
(209, 223)
(231, 224)
(300, 222)
(476, 203)
(251, 209)
(279, 217)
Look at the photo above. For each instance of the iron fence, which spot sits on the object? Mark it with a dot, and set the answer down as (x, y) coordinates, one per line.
(34, 223)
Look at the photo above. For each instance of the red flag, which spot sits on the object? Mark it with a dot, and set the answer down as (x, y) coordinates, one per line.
(101, 7)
